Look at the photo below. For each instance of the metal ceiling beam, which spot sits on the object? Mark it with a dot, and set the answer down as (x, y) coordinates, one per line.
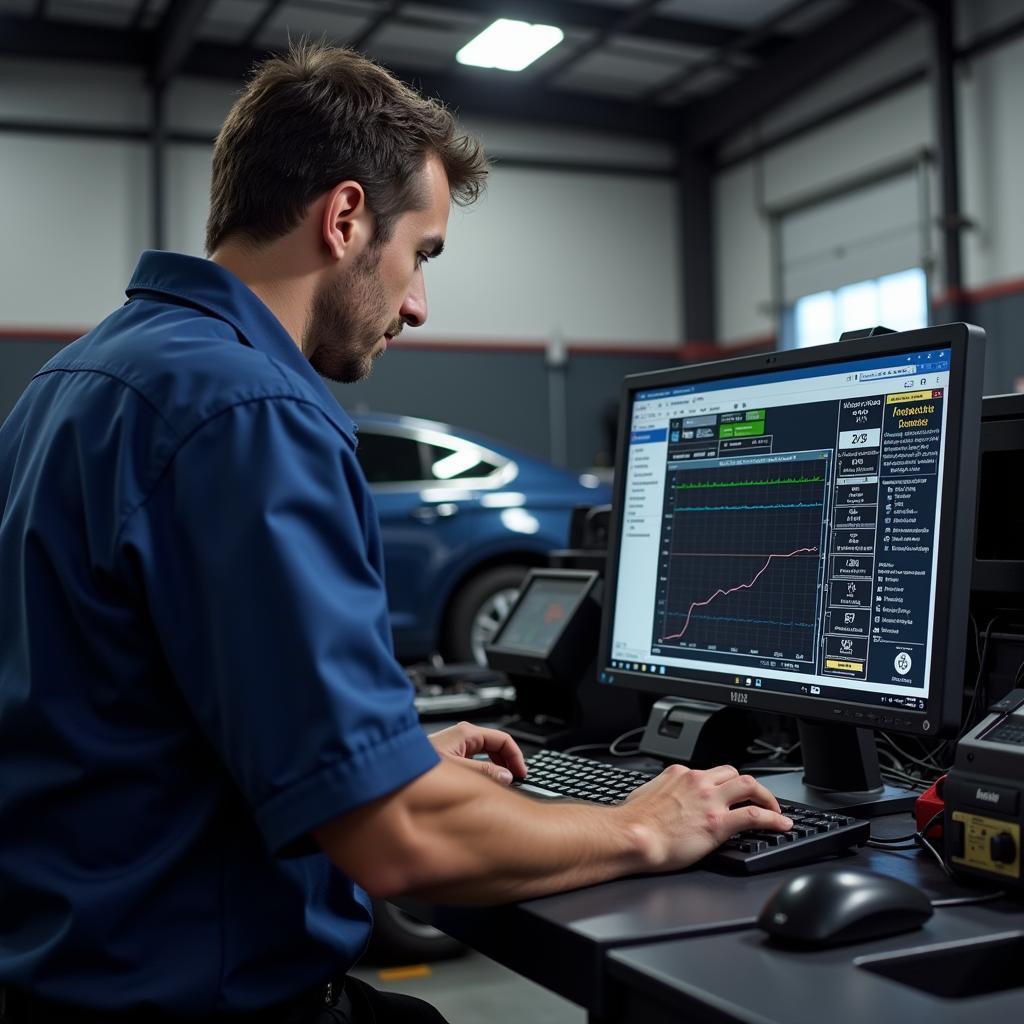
(476, 91)
(952, 221)
(746, 43)
(26, 37)
(798, 66)
(597, 17)
(360, 41)
(629, 20)
(482, 92)
(176, 35)
(141, 10)
(262, 19)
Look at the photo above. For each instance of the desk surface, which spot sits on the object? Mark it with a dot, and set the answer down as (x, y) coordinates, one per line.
(745, 977)
(562, 941)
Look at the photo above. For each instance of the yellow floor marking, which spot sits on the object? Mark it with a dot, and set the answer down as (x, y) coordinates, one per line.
(402, 973)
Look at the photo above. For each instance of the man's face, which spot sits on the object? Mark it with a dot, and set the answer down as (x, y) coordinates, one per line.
(358, 311)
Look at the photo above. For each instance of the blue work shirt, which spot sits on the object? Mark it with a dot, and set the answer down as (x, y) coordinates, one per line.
(195, 660)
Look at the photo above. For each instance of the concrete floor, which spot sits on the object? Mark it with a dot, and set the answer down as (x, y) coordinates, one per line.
(472, 988)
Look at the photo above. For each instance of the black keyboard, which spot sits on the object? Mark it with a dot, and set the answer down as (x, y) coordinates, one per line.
(815, 834)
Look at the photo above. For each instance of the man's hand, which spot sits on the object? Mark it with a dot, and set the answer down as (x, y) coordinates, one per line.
(461, 743)
(684, 814)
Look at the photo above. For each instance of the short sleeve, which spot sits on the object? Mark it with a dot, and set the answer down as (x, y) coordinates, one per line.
(258, 553)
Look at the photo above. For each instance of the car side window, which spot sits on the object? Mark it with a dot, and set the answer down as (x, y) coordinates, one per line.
(445, 463)
(389, 458)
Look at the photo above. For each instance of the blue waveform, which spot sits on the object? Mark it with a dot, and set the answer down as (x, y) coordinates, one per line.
(743, 508)
(757, 622)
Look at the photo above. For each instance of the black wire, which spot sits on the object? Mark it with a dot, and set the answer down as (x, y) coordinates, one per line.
(981, 647)
(1018, 675)
(935, 853)
(965, 901)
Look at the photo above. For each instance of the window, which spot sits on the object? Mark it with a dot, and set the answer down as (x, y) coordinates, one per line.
(457, 463)
(899, 301)
(396, 458)
(389, 458)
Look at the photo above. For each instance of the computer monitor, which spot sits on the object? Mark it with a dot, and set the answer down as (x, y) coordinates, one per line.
(792, 532)
(999, 542)
(997, 579)
(549, 633)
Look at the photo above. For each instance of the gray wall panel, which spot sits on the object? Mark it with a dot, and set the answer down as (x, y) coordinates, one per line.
(502, 393)
(18, 361)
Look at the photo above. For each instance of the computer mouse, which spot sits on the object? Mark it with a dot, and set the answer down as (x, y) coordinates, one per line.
(833, 906)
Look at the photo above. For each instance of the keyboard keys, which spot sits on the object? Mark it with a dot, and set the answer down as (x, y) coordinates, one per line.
(815, 833)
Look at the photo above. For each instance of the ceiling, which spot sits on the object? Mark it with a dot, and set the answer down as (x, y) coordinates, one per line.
(690, 71)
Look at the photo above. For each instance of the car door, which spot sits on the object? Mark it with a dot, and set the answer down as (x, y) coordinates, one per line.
(428, 505)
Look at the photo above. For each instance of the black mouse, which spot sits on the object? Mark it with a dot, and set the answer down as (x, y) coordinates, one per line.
(832, 906)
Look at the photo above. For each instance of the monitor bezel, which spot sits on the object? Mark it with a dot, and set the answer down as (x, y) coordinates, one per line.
(1002, 430)
(955, 542)
(520, 661)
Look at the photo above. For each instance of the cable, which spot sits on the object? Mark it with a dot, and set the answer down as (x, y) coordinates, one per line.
(613, 747)
(979, 679)
(585, 746)
(926, 762)
(776, 752)
(907, 842)
(888, 840)
(935, 853)
(966, 901)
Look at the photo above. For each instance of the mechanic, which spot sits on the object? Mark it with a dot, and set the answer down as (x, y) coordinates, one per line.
(211, 760)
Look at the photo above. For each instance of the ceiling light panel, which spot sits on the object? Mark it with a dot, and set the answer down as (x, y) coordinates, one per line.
(509, 45)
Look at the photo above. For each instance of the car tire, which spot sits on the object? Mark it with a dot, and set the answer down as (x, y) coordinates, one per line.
(478, 610)
(398, 939)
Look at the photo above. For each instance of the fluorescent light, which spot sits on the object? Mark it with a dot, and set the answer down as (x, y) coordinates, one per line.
(509, 45)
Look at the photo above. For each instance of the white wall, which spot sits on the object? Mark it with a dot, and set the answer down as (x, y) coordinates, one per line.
(990, 94)
(992, 161)
(589, 257)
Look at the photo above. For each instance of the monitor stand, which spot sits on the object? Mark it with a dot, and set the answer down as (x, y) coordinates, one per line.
(697, 733)
(840, 773)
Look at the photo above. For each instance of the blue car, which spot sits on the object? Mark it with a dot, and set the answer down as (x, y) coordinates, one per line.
(463, 518)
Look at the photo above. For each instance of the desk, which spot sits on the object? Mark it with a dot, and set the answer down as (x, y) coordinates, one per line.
(563, 942)
(745, 977)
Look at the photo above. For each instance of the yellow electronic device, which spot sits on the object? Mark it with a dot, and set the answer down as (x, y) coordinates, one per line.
(984, 797)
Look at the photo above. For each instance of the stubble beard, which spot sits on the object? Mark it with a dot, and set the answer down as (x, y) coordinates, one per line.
(344, 329)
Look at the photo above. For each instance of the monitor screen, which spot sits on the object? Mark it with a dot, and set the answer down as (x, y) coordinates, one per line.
(785, 530)
(541, 613)
(549, 633)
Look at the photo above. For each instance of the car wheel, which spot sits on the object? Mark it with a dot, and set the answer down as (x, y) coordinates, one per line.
(478, 611)
(399, 938)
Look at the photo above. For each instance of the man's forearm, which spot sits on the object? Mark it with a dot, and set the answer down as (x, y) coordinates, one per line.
(454, 836)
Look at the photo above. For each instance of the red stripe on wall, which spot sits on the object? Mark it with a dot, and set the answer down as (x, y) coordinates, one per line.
(690, 352)
(999, 290)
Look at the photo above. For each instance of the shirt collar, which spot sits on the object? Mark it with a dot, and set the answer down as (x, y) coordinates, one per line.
(209, 286)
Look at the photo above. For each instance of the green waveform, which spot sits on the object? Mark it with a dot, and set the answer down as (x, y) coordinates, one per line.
(749, 483)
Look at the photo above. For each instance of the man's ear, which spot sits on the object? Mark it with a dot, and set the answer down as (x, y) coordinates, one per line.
(346, 225)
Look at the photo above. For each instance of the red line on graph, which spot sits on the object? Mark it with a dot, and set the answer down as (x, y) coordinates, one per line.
(732, 590)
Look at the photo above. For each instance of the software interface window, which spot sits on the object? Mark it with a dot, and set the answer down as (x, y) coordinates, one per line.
(779, 530)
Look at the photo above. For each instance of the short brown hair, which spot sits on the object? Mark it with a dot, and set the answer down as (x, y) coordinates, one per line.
(319, 115)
